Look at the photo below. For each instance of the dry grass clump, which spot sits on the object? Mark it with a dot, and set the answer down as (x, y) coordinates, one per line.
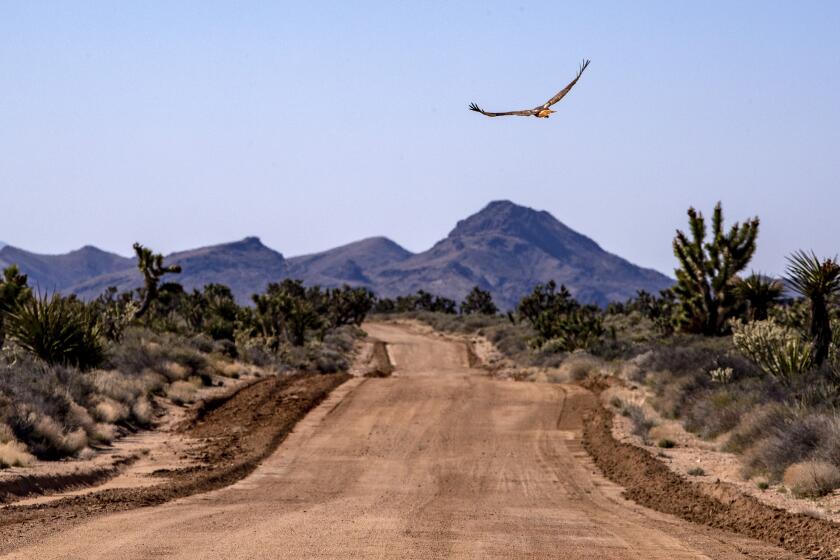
(45, 437)
(57, 411)
(110, 411)
(799, 437)
(182, 392)
(641, 425)
(580, 365)
(142, 351)
(175, 371)
(12, 452)
(812, 478)
(757, 424)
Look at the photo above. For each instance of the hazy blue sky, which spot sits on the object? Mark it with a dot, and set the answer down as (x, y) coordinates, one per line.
(312, 124)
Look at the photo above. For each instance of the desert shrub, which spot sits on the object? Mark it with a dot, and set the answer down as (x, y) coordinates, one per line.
(683, 357)
(666, 443)
(45, 437)
(641, 425)
(757, 424)
(12, 452)
(37, 404)
(255, 350)
(580, 365)
(182, 392)
(142, 350)
(142, 411)
(812, 478)
(330, 361)
(202, 342)
(58, 330)
(139, 351)
(720, 408)
(696, 471)
(343, 339)
(801, 437)
(722, 375)
(777, 350)
(673, 393)
(111, 411)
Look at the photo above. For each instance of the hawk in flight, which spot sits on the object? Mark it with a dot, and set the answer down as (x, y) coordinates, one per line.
(541, 111)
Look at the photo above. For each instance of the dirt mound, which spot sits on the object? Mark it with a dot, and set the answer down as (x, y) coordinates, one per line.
(651, 484)
(238, 433)
(40, 485)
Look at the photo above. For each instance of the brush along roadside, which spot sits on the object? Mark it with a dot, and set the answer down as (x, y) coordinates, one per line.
(237, 435)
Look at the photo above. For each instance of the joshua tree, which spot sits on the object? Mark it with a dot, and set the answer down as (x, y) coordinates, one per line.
(556, 316)
(151, 265)
(289, 309)
(707, 270)
(478, 301)
(13, 291)
(301, 316)
(546, 298)
(760, 293)
(818, 281)
(347, 305)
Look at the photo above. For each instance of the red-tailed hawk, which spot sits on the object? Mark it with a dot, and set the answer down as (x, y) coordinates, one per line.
(542, 111)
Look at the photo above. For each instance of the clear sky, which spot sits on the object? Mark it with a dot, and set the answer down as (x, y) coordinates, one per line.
(312, 124)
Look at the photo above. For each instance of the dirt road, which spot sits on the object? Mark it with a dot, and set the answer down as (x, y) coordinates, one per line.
(438, 461)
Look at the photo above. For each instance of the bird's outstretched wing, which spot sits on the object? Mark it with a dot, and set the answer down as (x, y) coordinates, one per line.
(562, 93)
(524, 113)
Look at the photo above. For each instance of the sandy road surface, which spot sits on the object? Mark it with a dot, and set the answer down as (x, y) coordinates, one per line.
(438, 461)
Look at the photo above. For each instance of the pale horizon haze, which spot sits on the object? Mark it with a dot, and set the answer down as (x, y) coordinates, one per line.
(315, 124)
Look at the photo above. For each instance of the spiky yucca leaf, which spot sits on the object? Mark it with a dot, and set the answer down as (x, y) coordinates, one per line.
(57, 330)
(761, 293)
(811, 277)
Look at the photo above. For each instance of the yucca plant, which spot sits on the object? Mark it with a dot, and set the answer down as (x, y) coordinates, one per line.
(819, 282)
(760, 293)
(57, 330)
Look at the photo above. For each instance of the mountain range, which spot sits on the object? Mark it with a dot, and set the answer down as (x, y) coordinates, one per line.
(504, 248)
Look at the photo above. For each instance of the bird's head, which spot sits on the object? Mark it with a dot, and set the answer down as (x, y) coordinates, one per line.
(545, 113)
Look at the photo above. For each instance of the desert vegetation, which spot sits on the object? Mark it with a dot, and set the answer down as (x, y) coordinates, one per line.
(76, 375)
(736, 356)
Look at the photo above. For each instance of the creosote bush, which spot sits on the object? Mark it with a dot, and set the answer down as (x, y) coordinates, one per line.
(812, 479)
(641, 425)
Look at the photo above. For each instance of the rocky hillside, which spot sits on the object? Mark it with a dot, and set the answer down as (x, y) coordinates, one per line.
(49, 273)
(246, 266)
(504, 248)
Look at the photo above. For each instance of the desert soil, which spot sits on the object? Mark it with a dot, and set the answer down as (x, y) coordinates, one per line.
(436, 461)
